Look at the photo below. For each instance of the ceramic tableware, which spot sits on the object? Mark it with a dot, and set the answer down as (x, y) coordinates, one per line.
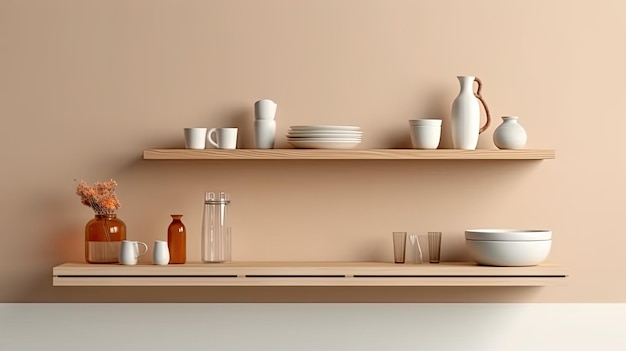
(225, 138)
(510, 134)
(195, 138)
(508, 247)
(265, 109)
(160, 253)
(425, 134)
(465, 118)
(129, 251)
(264, 133)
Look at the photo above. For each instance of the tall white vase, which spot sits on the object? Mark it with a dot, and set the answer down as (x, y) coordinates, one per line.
(465, 118)
(509, 134)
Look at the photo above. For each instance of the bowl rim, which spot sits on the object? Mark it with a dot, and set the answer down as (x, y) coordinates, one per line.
(508, 234)
(507, 241)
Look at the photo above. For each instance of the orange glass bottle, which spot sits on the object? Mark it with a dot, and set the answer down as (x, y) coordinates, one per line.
(177, 240)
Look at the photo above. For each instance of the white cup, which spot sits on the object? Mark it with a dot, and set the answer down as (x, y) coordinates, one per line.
(195, 138)
(129, 251)
(264, 133)
(425, 137)
(160, 253)
(265, 109)
(225, 138)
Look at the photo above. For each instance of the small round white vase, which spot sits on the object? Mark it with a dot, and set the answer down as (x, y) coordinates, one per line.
(510, 134)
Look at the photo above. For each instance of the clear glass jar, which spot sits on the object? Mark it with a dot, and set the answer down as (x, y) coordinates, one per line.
(103, 237)
(216, 239)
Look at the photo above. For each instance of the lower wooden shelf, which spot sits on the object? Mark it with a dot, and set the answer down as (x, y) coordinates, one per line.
(306, 274)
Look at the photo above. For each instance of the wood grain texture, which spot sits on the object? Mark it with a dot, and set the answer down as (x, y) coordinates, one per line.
(352, 154)
(306, 274)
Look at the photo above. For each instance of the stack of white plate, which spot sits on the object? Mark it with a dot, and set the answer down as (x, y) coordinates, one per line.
(324, 137)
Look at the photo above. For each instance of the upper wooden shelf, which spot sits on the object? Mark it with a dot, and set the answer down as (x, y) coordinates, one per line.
(306, 274)
(350, 154)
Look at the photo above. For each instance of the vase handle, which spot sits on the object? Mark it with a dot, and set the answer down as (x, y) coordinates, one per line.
(479, 97)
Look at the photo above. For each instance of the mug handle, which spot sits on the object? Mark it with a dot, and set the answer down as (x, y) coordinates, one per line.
(145, 246)
(210, 139)
(482, 101)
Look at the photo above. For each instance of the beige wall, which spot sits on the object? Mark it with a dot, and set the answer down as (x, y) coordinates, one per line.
(86, 86)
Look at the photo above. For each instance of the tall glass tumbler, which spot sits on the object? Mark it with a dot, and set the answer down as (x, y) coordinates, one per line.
(216, 244)
(399, 246)
(434, 246)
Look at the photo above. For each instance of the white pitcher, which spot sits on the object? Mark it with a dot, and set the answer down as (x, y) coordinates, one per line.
(465, 118)
(129, 251)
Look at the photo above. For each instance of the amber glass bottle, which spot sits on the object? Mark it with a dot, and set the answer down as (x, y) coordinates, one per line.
(176, 240)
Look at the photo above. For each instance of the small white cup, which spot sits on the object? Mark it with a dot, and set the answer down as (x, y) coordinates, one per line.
(195, 138)
(425, 137)
(264, 133)
(129, 251)
(160, 253)
(225, 138)
(265, 109)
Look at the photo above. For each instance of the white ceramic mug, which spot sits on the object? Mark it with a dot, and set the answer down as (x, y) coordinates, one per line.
(225, 138)
(265, 109)
(264, 133)
(129, 251)
(195, 138)
(161, 253)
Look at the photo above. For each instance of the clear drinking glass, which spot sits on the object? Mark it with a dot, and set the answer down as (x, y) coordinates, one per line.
(216, 228)
(399, 246)
(434, 246)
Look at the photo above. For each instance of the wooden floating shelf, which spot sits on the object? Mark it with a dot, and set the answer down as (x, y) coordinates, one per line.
(306, 274)
(350, 154)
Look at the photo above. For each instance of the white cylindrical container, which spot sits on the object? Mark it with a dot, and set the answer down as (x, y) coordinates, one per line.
(510, 134)
(265, 109)
(216, 228)
(465, 118)
(425, 133)
(160, 253)
(264, 133)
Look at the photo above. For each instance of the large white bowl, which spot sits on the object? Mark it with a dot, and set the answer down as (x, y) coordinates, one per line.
(508, 253)
(508, 234)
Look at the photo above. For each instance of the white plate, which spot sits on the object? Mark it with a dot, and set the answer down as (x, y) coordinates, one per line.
(324, 135)
(325, 127)
(324, 144)
(329, 132)
(325, 140)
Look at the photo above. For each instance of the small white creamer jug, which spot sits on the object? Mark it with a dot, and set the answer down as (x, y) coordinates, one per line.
(161, 253)
(129, 251)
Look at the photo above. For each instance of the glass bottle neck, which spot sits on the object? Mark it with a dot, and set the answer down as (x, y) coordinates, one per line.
(106, 215)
